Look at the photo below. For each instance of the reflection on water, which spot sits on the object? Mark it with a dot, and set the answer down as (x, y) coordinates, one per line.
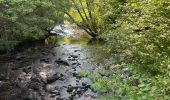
(95, 47)
(66, 40)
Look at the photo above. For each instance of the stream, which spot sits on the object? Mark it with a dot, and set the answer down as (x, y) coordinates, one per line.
(49, 70)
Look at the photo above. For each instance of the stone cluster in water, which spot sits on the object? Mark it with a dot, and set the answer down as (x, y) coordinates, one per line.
(48, 74)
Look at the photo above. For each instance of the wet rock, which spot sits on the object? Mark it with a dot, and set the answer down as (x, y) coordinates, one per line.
(74, 69)
(75, 63)
(23, 81)
(54, 78)
(20, 57)
(53, 32)
(76, 50)
(36, 78)
(75, 74)
(58, 28)
(62, 62)
(126, 72)
(62, 77)
(56, 92)
(86, 98)
(50, 87)
(65, 95)
(53, 95)
(86, 82)
(70, 88)
(74, 56)
(90, 93)
(25, 62)
(57, 76)
(35, 85)
(46, 60)
(21, 64)
(71, 59)
(77, 80)
(62, 98)
(77, 96)
(27, 69)
(43, 75)
(79, 91)
(44, 53)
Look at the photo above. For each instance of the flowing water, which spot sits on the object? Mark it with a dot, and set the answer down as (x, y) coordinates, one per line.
(48, 70)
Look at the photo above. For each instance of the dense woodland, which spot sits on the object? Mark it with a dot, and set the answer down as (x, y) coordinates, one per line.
(136, 30)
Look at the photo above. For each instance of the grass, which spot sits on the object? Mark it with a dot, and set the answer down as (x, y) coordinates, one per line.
(111, 84)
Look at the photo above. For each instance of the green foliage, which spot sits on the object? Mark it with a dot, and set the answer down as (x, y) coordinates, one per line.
(22, 20)
(136, 87)
(7, 46)
(138, 30)
(100, 85)
(150, 46)
(141, 35)
(84, 73)
(90, 15)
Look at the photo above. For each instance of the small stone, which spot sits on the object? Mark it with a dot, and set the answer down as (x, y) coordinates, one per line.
(75, 74)
(53, 95)
(126, 72)
(70, 88)
(46, 60)
(50, 87)
(74, 56)
(86, 82)
(27, 70)
(77, 80)
(56, 92)
(71, 59)
(77, 96)
(79, 91)
(75, 64)
(76, 50)
(53, 78)
(35, 85)
(20, 57)
(90, 93)
(62, 62)
(43, 75)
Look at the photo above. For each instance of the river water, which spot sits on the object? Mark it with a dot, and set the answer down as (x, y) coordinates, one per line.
(49, 69)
